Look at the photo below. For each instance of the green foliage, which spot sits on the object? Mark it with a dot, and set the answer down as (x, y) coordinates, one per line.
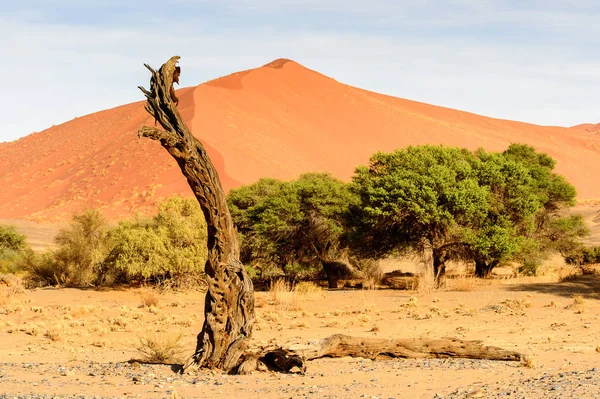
(583, 256)
(290, 228)
(481, 207)
(418, 198)
(11, 239)
(10, 261)
(169, 245)
(81, 250)
(13, 246)
(43, 269)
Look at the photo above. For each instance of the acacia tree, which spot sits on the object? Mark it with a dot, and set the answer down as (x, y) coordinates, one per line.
(417, 199)
(229, 303)
(480, 207)
(525, 217)
(294, 228)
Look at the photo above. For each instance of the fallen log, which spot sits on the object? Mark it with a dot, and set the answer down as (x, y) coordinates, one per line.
(339, 345)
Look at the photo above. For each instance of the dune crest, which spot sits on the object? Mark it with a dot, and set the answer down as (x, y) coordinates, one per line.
(279, 120)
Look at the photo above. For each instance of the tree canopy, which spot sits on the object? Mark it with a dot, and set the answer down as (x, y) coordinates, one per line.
(292, 229)
(462, 205)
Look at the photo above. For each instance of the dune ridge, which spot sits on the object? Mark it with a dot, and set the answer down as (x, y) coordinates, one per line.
(279, 120)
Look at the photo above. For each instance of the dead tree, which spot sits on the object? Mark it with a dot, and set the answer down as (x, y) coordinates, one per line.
(229, 304)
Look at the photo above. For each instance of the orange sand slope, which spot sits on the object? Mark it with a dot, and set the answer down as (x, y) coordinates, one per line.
(279, 120)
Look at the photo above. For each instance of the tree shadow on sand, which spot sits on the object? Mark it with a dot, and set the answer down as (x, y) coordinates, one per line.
(587, 285)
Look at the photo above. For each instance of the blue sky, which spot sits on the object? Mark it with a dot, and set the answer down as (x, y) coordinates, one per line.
(534, 61)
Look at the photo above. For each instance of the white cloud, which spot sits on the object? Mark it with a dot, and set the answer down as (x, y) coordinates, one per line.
(461, 56)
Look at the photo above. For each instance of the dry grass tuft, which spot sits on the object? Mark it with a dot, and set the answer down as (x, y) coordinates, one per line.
(284, 297)
(278, 289)
(510, 307)
(259, 300)
(462, 283)
(565, 273)
(308, 289)
(331, 323)
(528, 362)
(161, 348)
(149, 299)
(54, 333)
(299, 324)
(578, 304)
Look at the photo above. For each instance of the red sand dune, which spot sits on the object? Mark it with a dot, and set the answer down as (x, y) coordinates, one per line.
(279, 120)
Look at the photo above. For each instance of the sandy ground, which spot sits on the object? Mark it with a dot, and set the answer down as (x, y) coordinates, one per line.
(78, 342)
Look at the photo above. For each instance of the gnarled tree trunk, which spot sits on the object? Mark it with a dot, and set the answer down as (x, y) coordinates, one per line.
(229, 305)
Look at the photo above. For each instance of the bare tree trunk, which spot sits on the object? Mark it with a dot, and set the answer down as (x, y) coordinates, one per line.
(229, 305)
(339, 345)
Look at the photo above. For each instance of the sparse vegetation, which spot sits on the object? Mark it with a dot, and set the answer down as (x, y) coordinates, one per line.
(13, 246)
(160, 250)
(171, 244)
(162, 348)
(149, 299)
(583, 256)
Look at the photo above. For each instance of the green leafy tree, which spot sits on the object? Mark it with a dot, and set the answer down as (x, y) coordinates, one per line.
(526, 212)
(418, 199)
(293, 229)
(480, 207)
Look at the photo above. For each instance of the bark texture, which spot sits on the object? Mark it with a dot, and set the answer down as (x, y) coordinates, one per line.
(344, 345)
(339, 345)
(229, 304)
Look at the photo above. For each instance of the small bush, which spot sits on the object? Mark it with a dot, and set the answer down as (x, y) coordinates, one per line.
(81, 249)
(462, 283)
(530, 267)
(10, 261)
(583, 256)
(308, 289)
(149, 299)
(54, 333)
(11, 239)
(161, 349)
(43, 270)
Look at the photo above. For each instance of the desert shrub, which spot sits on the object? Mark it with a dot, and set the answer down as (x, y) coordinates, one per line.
(42, 270)
(11, 239)
(530, 266)
(10, 261)
(583, 256)
(171, 244)
(161, 348)
(81, 250)
(13, 246)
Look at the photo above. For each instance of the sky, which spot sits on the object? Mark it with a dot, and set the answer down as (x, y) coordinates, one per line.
(532, 61)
